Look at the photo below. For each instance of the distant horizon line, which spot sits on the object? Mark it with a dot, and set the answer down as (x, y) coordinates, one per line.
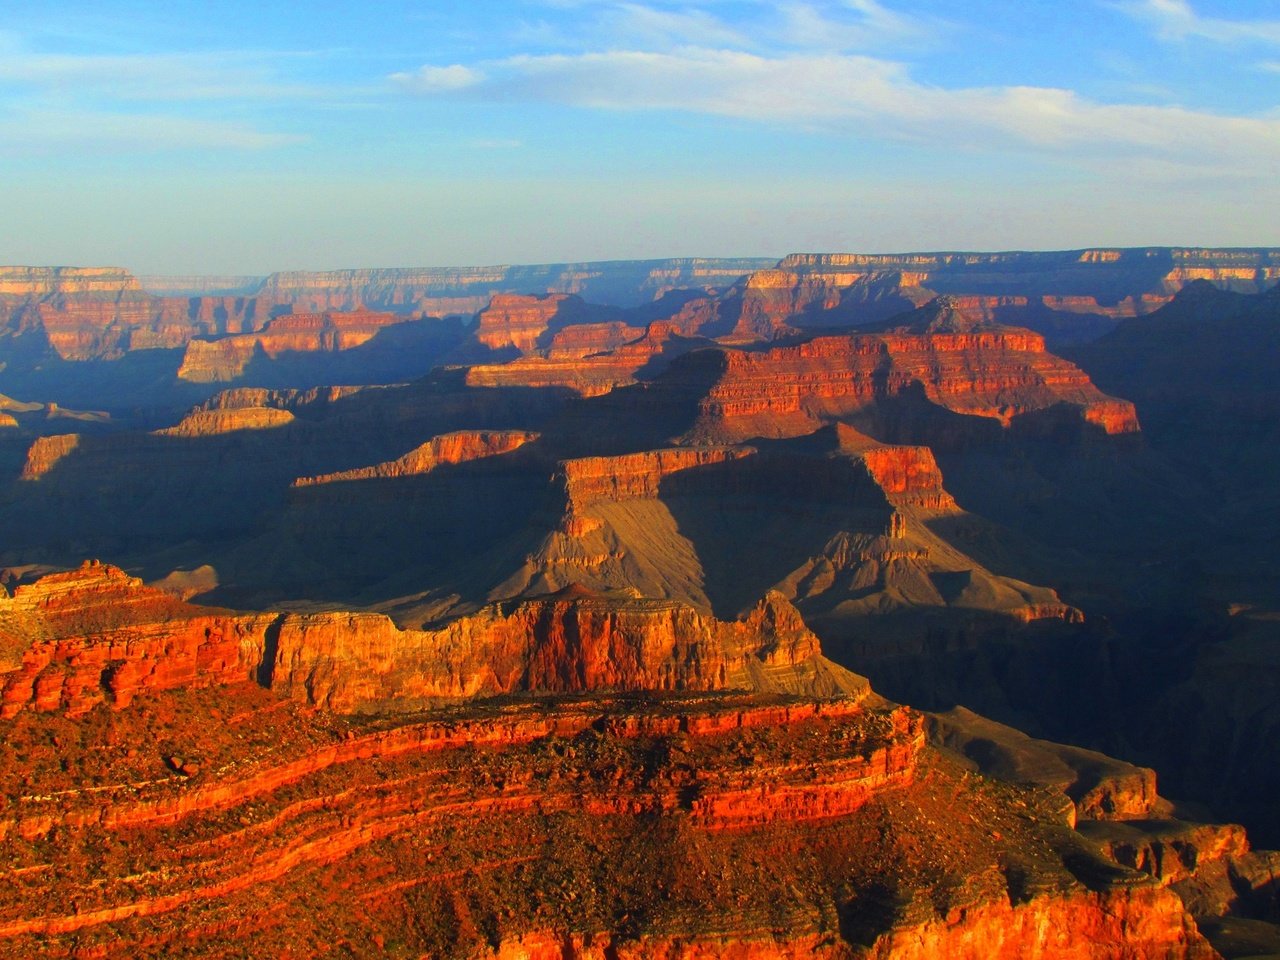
(889, 254)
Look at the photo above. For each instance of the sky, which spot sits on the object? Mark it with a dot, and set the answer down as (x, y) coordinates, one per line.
(246, 137)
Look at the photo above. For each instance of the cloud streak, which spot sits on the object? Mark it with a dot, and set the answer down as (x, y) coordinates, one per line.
(144, 102)
(194, 76)
(1176, 20)
(865, 97)
(34, 130)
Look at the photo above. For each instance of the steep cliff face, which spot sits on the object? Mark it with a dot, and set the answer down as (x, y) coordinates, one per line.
(1071, 296)
(592, 480)
(85, 313)
(1117, 278)
(589, 339)
(623, 283)
(210, 423)
(42, 282)
(998, 373)
(293, 400)
(71, 641)
(527, 323)
(45, 453)
(570, 642)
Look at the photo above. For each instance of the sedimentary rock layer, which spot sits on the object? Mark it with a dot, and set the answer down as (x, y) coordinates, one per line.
(209, 361)
(592, 829)
(94, 635)
(1001, 374)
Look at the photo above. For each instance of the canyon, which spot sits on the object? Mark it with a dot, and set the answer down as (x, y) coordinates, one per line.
(201, 804)
(842, 605)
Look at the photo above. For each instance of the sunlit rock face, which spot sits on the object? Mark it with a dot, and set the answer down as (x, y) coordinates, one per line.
(608, 824)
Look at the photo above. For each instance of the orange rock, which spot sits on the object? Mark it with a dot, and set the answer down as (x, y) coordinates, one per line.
(209, 361)
(458, 447)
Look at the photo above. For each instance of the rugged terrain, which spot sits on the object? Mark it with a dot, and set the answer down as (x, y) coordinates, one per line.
(181, 805)
(542, 629)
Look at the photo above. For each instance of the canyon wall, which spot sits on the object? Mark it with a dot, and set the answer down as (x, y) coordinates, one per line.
(73, 640)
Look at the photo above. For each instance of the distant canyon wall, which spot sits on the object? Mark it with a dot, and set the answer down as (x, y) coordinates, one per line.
(85, 313)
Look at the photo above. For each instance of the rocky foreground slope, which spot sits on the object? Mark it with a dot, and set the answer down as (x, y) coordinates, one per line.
(202, 813)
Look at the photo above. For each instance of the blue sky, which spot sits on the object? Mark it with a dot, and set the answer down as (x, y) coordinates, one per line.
(239, 137)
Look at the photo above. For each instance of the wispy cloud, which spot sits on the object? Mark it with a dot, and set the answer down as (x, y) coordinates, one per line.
(197, 75)
(1176, 20)
(871, 98)
(852, 25)
(649, 26)
(145, 101)
(756, 26)
(34, 130)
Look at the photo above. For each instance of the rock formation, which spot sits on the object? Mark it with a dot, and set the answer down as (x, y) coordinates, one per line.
(1001, 374)
(45, 453)
(208, 813)
(450, 448)
(208, 423)
(226, 358)
(535, 652)
(74, 640)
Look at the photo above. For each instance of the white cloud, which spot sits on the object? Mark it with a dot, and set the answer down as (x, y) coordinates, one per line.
(1176, 20)
(875, 98)
(429, 79)
(638, 24)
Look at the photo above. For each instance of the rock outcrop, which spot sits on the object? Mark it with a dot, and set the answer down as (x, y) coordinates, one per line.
(525, 324)
(77, 639)
(45, 453)
(209, 423)
(569, 642)
(73, 640)
(211, 361)
(450, 448)
(1001, 374)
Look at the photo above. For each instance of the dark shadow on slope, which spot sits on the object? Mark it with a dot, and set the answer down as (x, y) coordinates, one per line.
(377, 540)
(401, 352)
(130, 496)
(754, 521)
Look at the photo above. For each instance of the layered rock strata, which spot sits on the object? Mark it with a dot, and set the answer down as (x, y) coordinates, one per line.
(589, 829)
(999, 374)
(94, 635)
(212, 361)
